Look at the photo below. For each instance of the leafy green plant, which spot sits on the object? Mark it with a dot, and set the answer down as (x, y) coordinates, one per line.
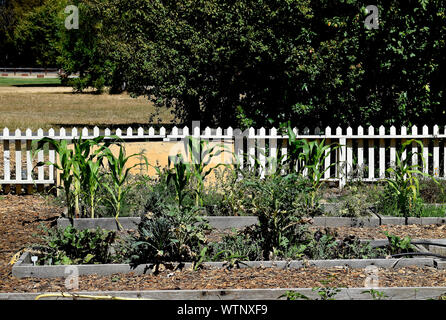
(173, 235)
(77, 166)
(376, 295)
(403, 184)
(201, 155)
(240, 244)
(327, 292)
(119, 171)
(354, 206)
(272, 202)
(399, 245)
(308, 157)
(180, 176)
(324, 293)
(73, 246)
(294, 295)
(91, 183)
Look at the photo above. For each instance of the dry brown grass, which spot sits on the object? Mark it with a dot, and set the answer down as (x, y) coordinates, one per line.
(55, 107)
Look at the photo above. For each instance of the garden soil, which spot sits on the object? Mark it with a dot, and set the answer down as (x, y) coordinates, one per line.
(21, 216)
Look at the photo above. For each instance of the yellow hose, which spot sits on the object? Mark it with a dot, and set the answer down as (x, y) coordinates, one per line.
(75, 296)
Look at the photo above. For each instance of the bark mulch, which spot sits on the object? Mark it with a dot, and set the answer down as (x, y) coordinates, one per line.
(20, 217)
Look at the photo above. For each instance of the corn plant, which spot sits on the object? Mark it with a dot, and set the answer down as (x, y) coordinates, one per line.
(201, 155)
(73, 166)
(404, 179)
(309, 158)
(180, 176)
(92, 183)
(119, 172)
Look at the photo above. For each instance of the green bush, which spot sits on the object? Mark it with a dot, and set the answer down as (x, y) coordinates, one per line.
(73, 246)
(432, 192)
(176, 234)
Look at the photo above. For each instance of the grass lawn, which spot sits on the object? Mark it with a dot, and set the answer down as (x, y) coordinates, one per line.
(6, 81)
(29, 103)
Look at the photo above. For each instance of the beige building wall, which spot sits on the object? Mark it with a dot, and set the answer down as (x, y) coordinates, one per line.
(157, 153)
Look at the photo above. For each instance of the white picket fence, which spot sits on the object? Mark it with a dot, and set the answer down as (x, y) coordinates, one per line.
(364, 153)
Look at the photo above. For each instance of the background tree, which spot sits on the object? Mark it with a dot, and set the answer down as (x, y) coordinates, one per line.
(264, 62)
(37, 35)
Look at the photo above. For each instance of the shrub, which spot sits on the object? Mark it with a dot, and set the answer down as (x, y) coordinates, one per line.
(72, 246)
(177, 234)
(432, 192)
(241, 244)
(402, 195)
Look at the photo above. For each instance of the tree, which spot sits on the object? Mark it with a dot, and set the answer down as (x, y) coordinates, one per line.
(265, 62)
(37, 35)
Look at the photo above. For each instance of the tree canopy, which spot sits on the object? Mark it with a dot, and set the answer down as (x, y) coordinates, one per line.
(260, 63)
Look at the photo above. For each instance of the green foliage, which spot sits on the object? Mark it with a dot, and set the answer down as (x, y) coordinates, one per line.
(72, 246)
(308, 157)
(403, 185)
(294, 295)
(272, 200)
(175, 235)
(324, 293)
(201, 155)
(245, 62)
(398, 245)
(119, 171)
(180, 175)
(240, 244)
(432, 191)
(355, 205)
(259, 63)
(37, 34)
(375, 294)
(79, 168)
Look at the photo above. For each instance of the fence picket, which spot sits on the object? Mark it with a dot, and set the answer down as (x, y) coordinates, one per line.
(425, 150)
(371, 154)
(327, 152)
(414, 147)
(51, 156)
(349, 164)
(29, 161)
(251, 147)
(265, 145)
(18, 155)
(40, 158)
(361, 152)
(392, 146)
(6, 156)
(436, 153)
(272, 151)
(261, 151)
(382, 153)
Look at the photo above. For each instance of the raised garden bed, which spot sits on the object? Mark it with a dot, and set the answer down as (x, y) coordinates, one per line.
(24, 266)
(227, 222)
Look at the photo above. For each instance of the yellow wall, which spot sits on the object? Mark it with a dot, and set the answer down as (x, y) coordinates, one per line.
(157, 153)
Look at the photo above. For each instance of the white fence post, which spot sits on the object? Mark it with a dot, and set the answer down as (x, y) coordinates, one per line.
(425, 150)
(342, 157)
(382, 153)
(327, 153)
(371, 154)
(361, 152)
(436, 153)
